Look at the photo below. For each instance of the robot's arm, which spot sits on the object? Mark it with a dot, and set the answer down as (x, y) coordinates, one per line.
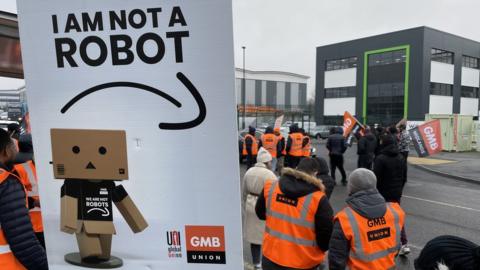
(68, 208)
(129, 210)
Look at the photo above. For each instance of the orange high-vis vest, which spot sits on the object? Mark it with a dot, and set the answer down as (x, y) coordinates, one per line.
(296, 149)
(279, 139)
(254, 145)
(374, 242)
(7, 259)
(28, 176)
(269, 142)
(307, 148)
(290, 238)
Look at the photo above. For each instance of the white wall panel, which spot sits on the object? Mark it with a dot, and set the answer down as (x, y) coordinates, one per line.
(341, 78)
(294, 94)
(264, 93)
(338, 106)
(441, 72)
(250, 89)
(470, 77)
(281, 93)
(441, 104)
(469, 106)
(238, 90)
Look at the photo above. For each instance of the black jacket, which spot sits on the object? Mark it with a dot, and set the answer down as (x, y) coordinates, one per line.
(367, 203)
(295, 184)
(390, 170)
(366, 146)
(17, 227)
(336, 144)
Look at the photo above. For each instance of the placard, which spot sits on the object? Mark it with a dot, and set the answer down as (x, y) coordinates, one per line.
(162, 71)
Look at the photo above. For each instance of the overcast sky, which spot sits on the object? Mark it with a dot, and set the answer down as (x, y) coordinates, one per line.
(283, 34)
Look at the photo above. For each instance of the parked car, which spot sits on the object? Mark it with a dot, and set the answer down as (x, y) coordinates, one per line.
(241, 138)
(320, 132)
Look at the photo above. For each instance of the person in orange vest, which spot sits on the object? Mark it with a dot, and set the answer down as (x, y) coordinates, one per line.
(250, 147)
(294, 146)
(19, 248)
(270, 142)
(366, 234)
(281, 152)
(306, 143)
(25, 169)
(298, 219)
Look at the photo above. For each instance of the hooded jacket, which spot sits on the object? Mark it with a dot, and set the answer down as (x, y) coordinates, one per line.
(390, 170)
(17, 227)
(295, 184)
(367, 203)
(253, 182)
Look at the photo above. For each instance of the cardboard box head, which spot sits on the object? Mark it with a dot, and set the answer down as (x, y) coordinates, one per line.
(89, 154)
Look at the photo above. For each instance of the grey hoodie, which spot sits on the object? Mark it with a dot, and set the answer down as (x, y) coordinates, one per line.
(367, 203)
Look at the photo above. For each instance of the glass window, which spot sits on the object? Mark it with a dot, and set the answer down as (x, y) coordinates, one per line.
(442, 56)
(470, 62)
(469, 92)
(441, 89)
(340, 92)
(387, 58)
(344, 63)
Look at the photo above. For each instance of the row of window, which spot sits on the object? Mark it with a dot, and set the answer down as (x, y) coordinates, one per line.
(470, 92)
(340, 92)
(344, 63)
(448, 58)
(399, 56)
(470, 62)
(387, 58)
(386, 90)
(442, 89)
(441, 56)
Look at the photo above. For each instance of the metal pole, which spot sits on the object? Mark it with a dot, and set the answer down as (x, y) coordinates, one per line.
(244, 90)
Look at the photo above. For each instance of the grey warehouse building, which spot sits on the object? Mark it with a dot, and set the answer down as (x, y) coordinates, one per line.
(406, 74)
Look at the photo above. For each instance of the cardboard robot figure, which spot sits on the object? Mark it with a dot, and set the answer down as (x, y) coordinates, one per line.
(90, 161)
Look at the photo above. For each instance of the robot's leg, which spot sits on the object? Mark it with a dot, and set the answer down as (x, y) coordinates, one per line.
(106, 243)
(89, 244)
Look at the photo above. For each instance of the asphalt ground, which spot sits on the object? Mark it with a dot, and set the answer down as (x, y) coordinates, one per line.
(434, 205)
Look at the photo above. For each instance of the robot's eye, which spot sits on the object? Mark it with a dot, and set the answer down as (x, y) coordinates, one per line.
(76, 149)
(102, 150)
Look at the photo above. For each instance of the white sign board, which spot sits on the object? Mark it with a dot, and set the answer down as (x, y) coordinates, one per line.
(163, 71)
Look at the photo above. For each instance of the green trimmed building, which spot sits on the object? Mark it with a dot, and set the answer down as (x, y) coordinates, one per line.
(405, 74)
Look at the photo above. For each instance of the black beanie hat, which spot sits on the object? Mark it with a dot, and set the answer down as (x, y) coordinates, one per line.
(455, 252)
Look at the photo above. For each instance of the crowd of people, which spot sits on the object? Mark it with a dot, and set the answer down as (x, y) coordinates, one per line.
(22, 244)
(290, 223)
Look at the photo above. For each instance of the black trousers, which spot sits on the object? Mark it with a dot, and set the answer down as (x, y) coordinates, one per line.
(365, 162)
(337, 161)
(256, 253)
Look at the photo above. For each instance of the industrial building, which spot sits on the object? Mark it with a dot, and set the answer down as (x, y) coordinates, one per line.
(406, 74)
(269, 94)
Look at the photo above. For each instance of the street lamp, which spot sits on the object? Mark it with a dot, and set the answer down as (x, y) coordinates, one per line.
(244, 91)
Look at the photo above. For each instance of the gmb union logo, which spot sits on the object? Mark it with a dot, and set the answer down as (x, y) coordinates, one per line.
(205, 244)
(174, 243)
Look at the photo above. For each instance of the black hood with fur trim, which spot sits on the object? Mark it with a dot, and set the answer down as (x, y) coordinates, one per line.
(296, 184)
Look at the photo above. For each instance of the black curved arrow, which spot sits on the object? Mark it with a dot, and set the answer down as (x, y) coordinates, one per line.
(201, 107)
(168, 126)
